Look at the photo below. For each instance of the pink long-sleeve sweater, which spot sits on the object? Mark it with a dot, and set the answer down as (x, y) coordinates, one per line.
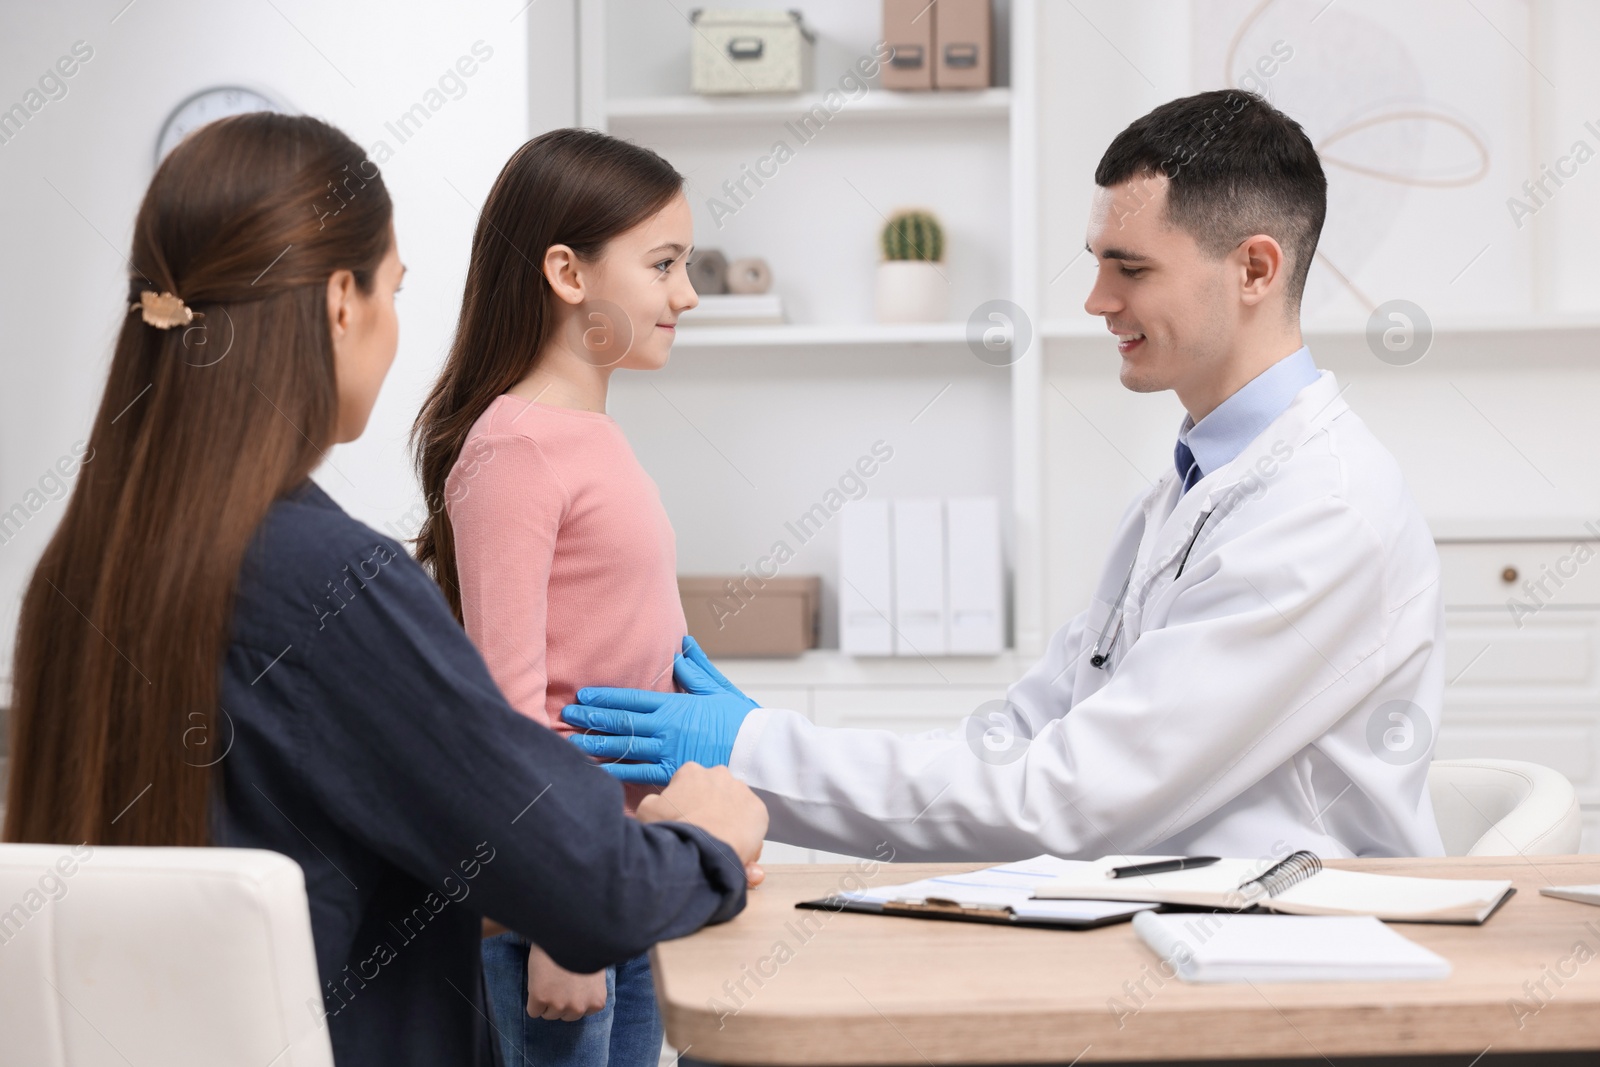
(566, 559)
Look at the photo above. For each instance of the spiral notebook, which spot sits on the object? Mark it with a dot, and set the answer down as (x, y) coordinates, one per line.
(1299, 885)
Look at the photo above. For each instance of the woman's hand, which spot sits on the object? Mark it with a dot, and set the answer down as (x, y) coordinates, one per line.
(557, 993)
(717, 802)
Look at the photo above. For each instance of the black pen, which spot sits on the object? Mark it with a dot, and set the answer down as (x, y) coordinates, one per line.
(1162, 867)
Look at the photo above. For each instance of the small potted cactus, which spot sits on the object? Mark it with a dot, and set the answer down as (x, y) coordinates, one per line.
(912, 286)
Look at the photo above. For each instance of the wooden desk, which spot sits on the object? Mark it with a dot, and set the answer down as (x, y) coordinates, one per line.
(780, 985)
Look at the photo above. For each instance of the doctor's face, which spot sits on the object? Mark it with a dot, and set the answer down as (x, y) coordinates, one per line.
(1168, 302)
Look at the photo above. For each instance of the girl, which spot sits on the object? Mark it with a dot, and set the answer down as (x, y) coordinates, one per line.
(554, 548)
(212, 652)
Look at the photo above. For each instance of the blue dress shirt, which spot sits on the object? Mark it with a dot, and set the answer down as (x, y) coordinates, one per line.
(1216, 440)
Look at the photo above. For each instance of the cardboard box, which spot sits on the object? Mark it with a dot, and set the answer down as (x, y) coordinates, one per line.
(744, 615)
(908, 30)
(962, 38)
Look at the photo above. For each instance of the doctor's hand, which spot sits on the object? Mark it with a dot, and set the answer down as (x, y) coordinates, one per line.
(662, 731)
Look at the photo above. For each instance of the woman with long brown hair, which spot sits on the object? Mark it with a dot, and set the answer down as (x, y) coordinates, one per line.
(212, 652)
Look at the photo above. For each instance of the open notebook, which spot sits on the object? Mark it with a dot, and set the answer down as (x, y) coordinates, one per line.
(1299, 885)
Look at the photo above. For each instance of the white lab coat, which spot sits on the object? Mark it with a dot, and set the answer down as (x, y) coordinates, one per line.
(1237, 714)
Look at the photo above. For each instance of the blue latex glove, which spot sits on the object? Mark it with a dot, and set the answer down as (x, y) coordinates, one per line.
(662, 731)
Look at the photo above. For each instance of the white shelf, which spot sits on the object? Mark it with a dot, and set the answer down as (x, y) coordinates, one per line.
(829, 667)
(840, 334)
(1543, 322)
(877, 104)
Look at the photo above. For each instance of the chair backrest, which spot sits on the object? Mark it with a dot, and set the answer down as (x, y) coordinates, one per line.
(1497, 807)
(171, 956)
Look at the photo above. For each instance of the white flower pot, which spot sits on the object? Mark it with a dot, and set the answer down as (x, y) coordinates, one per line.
(911, 290)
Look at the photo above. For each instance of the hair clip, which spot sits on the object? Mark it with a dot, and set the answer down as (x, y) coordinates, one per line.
(164, 310)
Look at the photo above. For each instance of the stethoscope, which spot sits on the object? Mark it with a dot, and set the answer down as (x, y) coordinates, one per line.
(1100, 655)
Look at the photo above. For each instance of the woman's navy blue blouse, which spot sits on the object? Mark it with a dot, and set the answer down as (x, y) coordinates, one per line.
(365, 739)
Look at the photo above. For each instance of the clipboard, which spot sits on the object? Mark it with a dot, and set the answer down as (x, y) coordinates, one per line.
(952, 911)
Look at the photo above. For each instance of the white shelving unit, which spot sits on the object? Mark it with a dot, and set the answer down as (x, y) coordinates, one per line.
(969, 156)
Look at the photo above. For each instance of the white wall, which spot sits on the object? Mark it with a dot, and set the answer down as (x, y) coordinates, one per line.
(72, 181)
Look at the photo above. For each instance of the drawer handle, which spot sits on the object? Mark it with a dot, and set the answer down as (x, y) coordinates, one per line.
(1509, 575)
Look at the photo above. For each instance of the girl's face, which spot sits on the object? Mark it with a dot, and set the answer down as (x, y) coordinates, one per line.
(634, 293)
(365, 333)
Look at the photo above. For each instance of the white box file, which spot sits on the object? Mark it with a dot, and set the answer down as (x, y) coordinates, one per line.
(919, 576)
(866, 601)
(974, 593)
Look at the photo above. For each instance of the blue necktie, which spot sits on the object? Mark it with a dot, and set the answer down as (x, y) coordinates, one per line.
(1188, 469)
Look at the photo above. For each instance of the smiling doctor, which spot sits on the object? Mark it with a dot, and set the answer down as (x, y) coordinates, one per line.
(1261, 665)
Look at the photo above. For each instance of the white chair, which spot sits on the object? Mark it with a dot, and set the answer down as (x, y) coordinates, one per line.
(171, 956)
(1501, 807)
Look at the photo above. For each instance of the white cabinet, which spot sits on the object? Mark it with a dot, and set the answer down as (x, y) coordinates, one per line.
(1522, 662)
(750, 426)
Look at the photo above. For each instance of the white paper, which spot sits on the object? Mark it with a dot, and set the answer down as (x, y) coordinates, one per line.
(1009, 885)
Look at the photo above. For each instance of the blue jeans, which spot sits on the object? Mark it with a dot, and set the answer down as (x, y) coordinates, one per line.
(625, 1033)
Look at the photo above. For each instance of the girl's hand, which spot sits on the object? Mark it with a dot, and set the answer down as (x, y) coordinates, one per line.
(557, 993)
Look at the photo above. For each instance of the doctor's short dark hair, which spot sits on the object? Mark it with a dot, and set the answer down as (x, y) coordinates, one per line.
(1236, 166)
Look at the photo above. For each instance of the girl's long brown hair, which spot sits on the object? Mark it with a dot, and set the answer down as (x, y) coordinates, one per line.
(574, 187)
(125, 623)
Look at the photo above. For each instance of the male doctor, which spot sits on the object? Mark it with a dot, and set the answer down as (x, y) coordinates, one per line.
(1268, 623)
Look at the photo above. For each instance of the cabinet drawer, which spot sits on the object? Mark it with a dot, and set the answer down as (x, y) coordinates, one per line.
(1485, 574)
(1552, 653)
